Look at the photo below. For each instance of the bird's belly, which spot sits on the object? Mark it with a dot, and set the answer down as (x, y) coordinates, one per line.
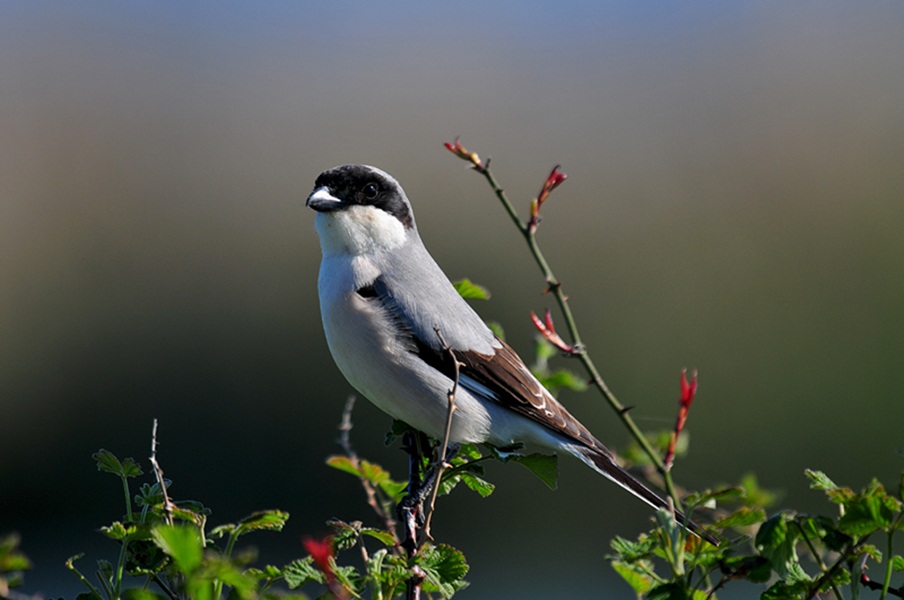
(382, 366)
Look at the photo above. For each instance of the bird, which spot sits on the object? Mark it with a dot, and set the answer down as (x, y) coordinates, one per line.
(393, 321)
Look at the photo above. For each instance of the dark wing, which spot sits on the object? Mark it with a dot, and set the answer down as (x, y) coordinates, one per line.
(504, 379)
(501, 377)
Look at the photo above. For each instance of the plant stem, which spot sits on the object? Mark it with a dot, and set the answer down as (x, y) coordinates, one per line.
(555, 287)
(822, 566)
(125, 491)
(889, 555)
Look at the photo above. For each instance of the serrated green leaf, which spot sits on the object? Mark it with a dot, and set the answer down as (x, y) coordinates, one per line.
(344, 464)
(394, 489)
(444, 567)
(871, 510)
(378, 534)
(268, 520)
(777, 542)
(115, 531)
(220, 531)
(182, 543)
(630, 551)
(302, 571)
(483, 487)
(870, 550)
(467, 452)
(544, 466)
(345, 535)
(469, 290)
(635, 575)
(897, 562)
(108, 463)
(819, 480)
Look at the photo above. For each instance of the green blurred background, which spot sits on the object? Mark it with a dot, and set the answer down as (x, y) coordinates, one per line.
(735, 204)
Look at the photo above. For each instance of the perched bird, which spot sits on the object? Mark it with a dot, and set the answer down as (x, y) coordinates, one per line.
(391, 316)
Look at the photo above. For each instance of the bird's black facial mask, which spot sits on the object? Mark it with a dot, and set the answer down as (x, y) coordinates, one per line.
(351, 185)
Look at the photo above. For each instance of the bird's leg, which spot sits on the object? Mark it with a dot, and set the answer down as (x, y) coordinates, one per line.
(410, 509)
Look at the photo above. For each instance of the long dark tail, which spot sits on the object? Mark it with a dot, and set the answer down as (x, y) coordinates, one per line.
(604, 465)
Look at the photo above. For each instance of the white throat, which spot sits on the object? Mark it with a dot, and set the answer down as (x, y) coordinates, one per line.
(357, 230)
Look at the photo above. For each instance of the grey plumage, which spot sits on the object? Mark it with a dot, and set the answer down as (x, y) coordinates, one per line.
(387, 309)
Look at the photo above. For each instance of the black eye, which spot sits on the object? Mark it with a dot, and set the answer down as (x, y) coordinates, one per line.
(370, 191)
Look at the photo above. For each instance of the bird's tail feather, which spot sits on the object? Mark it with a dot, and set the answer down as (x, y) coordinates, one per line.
(607, 467)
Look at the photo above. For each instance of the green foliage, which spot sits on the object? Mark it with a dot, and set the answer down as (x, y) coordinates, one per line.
(13, 563)
(168, 549)
(795, 555)
(469, 290)
(554, 379)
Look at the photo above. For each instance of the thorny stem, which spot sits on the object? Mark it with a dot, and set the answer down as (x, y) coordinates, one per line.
(822, 565)
(444, 447)
(345, 427)
(555, 287)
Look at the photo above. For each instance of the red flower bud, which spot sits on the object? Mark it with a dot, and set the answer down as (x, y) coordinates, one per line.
(322, 553)
(461, 152)
(688, 391)
(553, 181)
(548, 331)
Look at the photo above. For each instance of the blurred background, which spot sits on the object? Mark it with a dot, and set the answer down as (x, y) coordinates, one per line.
(734, 205)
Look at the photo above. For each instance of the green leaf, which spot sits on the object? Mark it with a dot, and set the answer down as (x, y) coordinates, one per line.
(637, 576)
(378, 534)
(754, 494)
(11, 559)
(116, 531)
(444, 567)
(897, 562)
(268, 520)
(345, 535)
(819, 480)
(629, 551)
(182, 543)
(469, 290)
(344, 464)
(483, 487)
(544, 466)
(561, 378)
(776, 541)
(108, 463)
(868, 511)
(302, 571)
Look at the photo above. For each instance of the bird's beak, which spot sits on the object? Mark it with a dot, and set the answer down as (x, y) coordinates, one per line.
(322, 200)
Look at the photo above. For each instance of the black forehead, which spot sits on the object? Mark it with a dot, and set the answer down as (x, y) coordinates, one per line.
(350, 177)
(347, 183)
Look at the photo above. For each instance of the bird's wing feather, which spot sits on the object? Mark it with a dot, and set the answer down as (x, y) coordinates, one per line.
(497, 375)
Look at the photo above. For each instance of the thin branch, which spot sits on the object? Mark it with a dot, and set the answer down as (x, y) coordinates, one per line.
(345, 428)
(168, 506)
(822, 565)
(444, 447)
(554, 286)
